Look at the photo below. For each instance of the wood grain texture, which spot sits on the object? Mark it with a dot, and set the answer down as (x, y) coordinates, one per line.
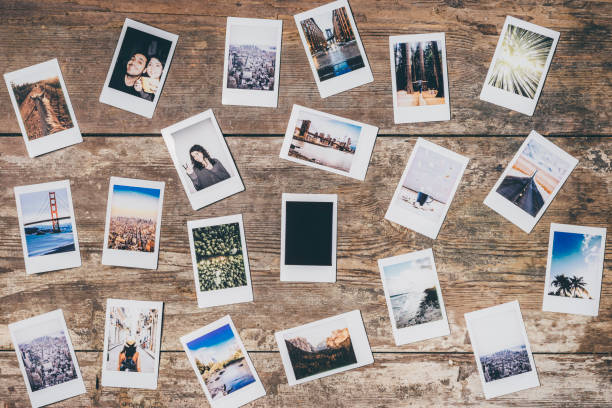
(83, 36)
(482, 259)
(417, 380)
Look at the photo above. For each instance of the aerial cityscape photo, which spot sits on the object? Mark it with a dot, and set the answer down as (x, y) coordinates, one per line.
(46, 355)
(251, 57)
(332, 44)
(133, 218)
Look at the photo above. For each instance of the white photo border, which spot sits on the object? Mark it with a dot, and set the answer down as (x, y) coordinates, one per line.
(363, 151)
(397, 215)
(309, 273)
(128, 102)
(247, 97)
(345, 81)
(514, 213)
(50, 262)
(217, 191)
(421, 331)
(414, 114)
(114, 378)
(239, 397)
(126, 258)
(507, 99)
(359, 340)
(514, 383)
(587, 307)
(54, 393)
(225, 296)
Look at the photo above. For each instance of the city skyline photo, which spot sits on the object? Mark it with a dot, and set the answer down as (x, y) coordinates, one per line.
(575, 264)
(252, 57)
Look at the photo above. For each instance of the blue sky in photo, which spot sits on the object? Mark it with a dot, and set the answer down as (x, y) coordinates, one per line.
(35, 206)
(212, 339)
(576, 254)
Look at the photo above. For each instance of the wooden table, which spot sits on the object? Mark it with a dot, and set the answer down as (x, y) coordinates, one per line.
(482, 259)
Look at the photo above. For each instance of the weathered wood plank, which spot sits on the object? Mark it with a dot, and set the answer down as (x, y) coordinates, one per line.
(418, 380)
(481, 258)
(83, 35)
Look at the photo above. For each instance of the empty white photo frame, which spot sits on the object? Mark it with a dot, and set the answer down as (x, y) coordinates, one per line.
(144, 320)
(578, 251)
(426, 189)
(408, 281)
(328, 142)
(219, 286)
(515, 195)
(47, 227)
(333, 77)
(202, 130)
(309, 225)
(517, 74)
(222, 339)
(343, 333)
(138, 38)
(60, 129)
(498, 334)
(134, 208)
(425, 105)
(41, 328)
(265, 36)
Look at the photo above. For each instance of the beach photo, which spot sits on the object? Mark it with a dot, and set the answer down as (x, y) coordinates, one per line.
(202, 159)
(308, 237)
(574, 269)
(46, 358)
(133, 219)
(318, 349)
(324, 347)
(328, 142)
(252, 62)
(426, 188)
(519, 66)
(47, 226)
(333, 47)
(530, 182)
(132, 343)
(501, 349)
(139, 67)
(222, 365)
(43, 108)
(419, 78)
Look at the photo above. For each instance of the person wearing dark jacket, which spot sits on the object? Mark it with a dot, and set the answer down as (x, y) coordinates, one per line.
(204, 171)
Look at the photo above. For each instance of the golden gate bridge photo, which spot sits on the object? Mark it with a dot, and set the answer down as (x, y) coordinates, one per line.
(47, 222)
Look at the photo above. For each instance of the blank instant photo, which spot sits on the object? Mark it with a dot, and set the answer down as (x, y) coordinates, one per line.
(426, 189)
(414, 298)
(133, 223)
(202, 159)
(324, 347)
(222, 365)
(309, 225)
(220, 261)
(501, 348)
(519, 66)
(132, 340)
(419, 78)
(43, 109)
(138, 71)
(46, 358)
(328, 142)
(530, 182)
(333, 47)
(574, 269)
(252, 62)
(47, 226)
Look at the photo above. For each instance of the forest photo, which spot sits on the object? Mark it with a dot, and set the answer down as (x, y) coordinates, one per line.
(419, 74)
(42, 107)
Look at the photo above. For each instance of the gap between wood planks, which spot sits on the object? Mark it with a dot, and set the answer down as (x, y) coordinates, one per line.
(435, 136)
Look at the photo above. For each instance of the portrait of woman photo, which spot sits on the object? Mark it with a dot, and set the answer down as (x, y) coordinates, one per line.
(140, 64)
(204, 170)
